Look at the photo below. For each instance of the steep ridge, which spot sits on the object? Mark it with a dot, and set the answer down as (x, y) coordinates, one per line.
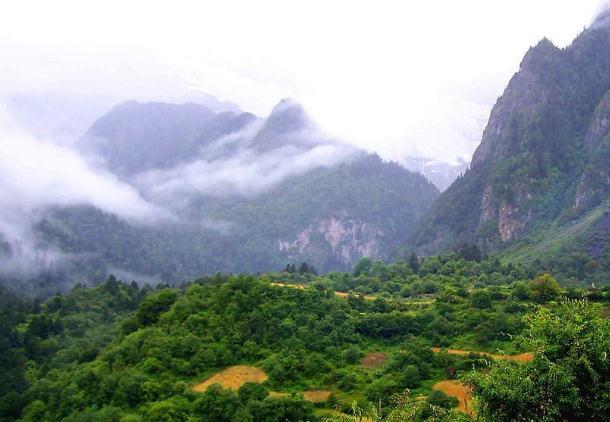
(542, 161)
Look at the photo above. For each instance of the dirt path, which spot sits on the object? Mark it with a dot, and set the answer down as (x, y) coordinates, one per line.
(522, 357)
(233, 378)
(459, 391)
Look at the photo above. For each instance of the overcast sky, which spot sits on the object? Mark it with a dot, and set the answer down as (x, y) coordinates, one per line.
(398, 77)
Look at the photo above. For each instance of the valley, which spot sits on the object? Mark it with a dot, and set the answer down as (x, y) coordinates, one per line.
(312, 243)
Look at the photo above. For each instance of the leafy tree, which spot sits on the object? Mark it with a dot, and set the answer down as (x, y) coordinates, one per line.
(470, 252)
(216, 405)
(414, 262)
(363, 266)
(440, 399)
(154, 305)
(280, 409)
(521, 291)
(252, 391)
(352, 355)
(568, 378)
(544, 288)
(481, 299)
(175, 409)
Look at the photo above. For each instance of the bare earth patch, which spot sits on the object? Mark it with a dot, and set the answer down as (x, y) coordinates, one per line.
(458, 390)
(374, 360)
(316, 396)
(233, 378)
(522, 357)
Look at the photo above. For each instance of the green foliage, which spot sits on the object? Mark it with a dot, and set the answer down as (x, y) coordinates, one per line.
(154, 305)
(538, 181)
(480, 298)
(383, 196)
(353, 354)
(252, 391)
(568, 378)
(544, 288)
(117, 351)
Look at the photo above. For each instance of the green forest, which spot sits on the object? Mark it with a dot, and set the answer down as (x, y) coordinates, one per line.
(442, 338)
(274, 214)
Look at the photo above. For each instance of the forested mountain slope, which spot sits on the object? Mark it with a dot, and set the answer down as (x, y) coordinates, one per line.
(542, 165)
(244, 195)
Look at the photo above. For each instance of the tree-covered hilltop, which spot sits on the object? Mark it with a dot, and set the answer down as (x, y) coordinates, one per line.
(310, 345)
(538, 183)
(329, 217)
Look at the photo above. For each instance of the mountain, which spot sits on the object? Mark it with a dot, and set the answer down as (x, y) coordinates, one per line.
(246, 195)
(441, 173)
(541, 169)
(134, 137)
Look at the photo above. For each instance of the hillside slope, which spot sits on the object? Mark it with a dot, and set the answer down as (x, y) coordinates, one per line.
(543, 160)
(247, 195)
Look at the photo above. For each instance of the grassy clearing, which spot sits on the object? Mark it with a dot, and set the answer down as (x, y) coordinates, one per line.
(233, 378)
(316, 396)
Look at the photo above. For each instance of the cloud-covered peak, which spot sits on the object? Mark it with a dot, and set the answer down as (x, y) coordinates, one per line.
(287, 116)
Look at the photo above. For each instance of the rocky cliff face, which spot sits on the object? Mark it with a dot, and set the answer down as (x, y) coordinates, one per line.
(341, 239)
(594, 184)
(543, 156)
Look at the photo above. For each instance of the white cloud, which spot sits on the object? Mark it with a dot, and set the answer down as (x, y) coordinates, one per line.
(245, 173)
(37, 174)
(378, 74)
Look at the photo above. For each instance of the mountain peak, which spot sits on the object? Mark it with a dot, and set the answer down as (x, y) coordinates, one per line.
(540, 54)
(287, 116)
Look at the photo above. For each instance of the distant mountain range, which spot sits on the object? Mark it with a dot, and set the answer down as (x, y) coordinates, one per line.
(538, 188)
(244, 193)
(240, 193)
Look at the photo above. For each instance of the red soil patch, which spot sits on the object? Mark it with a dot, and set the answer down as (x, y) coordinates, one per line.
(458, 390)
(522, 357)
(316, 396)
(374, 360)
(233, 378)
